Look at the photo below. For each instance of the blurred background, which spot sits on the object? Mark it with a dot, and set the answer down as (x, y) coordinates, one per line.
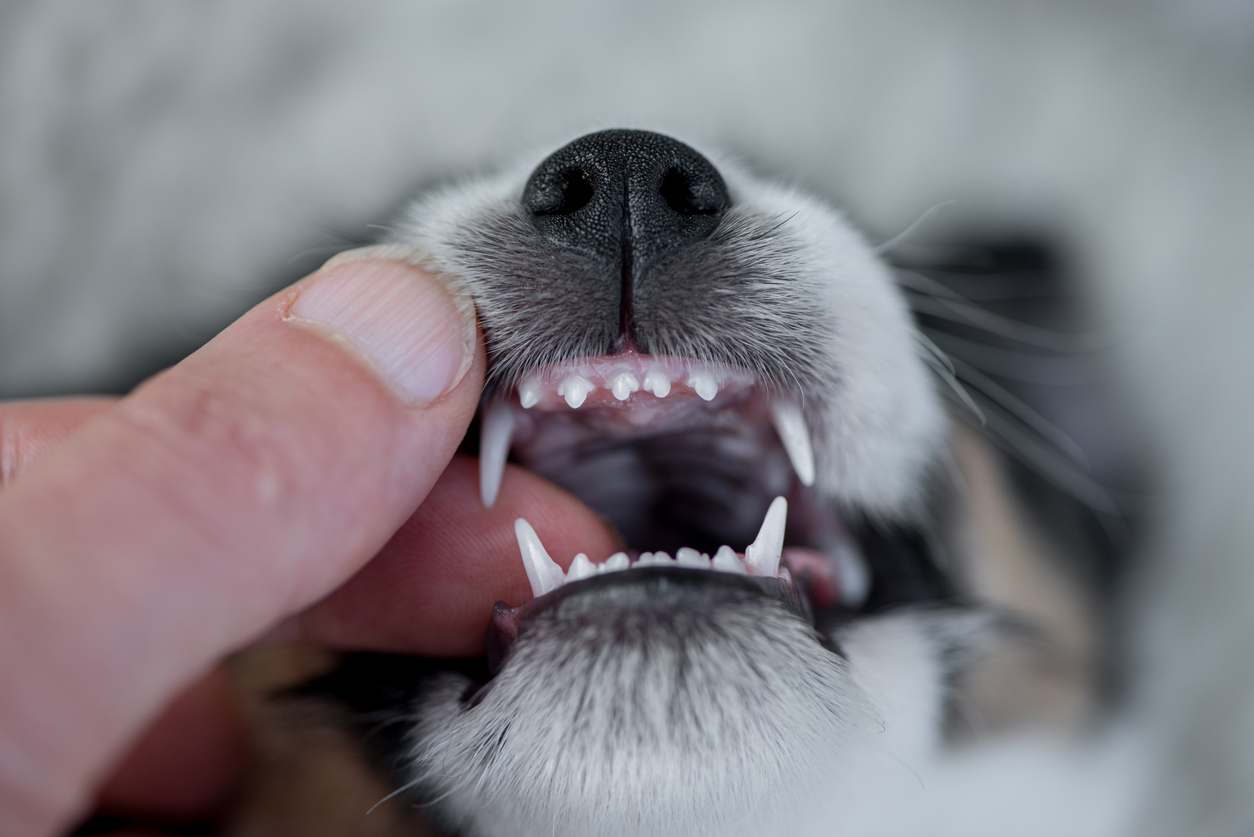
(165, 166)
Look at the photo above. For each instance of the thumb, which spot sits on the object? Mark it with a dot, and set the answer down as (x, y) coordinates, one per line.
(228, 492)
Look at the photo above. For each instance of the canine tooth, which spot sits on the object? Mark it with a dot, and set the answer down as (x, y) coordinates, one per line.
(616, 562)
(495, 432)
(544, 575)
(686, 556)
(529, 394)
(763, 554)
(790, 424)
(624, 385)
(580, 568)
(725, 561)
(704, 384)
(658, 382)
(575, 389)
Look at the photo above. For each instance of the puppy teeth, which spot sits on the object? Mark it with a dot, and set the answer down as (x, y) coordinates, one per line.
(624, 385)
(616, 562)
(790, 424)
(580, 568)
(658, 383)
(654, 559)
(544, 575)
(704, 384)
(725, 561)
(686, 556)
(575, 390)
(495, 432)
(763, 554)
(529, 394)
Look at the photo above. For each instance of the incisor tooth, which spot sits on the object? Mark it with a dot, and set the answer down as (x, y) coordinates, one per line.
(495, 432)
(617, 561)
(725, 561)
(686, 556)
(704, 385)
(544, 575)
(658, 383)
(790, 424)
(763, 554)
(529, 394)
(574, 389)
(581, 567)
(624, 385)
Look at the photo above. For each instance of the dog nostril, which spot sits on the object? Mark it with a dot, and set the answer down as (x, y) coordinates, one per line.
(568, 193)
(688, 195)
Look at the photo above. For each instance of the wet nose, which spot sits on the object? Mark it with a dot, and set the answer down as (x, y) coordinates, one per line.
(626, 200)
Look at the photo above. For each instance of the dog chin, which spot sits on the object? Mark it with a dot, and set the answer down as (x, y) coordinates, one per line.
(733, 723)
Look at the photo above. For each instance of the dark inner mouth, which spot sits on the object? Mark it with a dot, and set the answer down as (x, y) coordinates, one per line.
(699, 471)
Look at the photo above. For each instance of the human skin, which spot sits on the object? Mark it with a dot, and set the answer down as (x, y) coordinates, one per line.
(240, 496)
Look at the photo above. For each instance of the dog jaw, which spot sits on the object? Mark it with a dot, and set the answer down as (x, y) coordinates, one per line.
(664, 709)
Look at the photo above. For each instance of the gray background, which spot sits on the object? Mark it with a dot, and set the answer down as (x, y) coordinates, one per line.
(163, 166)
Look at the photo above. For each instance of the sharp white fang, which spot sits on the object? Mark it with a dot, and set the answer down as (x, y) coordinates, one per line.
(544, 575)
(704, 385)
(725, 561)
(790, 424)
(580, 568)
(763, 554)
(624, 385)
(575, 389)
(495, 432)
(529, 394)
(658, 382)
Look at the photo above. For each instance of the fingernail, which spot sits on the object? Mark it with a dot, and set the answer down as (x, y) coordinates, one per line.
(417, 331)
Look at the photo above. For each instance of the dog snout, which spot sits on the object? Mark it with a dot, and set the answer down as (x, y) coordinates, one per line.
(628, 200)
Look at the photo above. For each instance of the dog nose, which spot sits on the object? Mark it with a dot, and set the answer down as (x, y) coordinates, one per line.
(626, 199)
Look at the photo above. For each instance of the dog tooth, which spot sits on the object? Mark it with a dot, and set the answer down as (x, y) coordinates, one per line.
(580, 568)
(624, 384)
(654, 559)
(686, 556)
(616, 562)
(726, 561)
(495, 432)
(790, 424)
(658, 382)
(544, 575)
(704, 384)
(575, 389)
(763, 554)
(528, 394)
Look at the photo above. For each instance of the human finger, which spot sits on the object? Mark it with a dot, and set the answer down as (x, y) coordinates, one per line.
(237, 487)
(29, 429)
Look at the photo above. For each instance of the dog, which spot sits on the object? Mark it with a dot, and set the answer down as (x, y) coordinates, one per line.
(829, 581)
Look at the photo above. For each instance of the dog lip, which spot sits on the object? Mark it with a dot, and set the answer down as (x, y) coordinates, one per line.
(510, 623)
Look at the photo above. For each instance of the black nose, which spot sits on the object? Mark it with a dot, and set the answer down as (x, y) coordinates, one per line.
(627, 200)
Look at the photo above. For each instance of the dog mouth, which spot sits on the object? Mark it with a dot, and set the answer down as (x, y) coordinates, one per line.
(701, 467)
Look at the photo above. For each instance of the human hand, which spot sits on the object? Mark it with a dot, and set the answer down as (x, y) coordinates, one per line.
(241, 494)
